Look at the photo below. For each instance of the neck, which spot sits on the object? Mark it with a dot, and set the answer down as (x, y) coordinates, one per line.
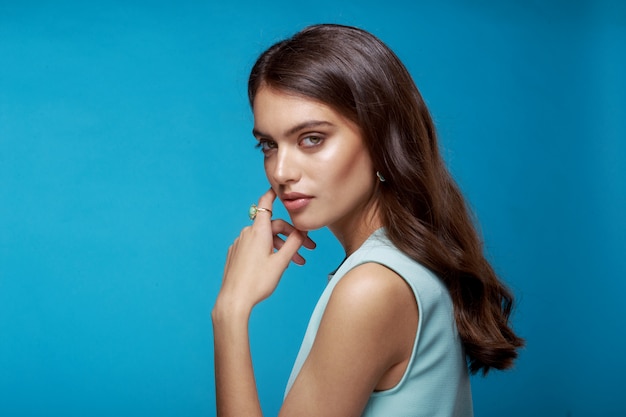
(352, 233)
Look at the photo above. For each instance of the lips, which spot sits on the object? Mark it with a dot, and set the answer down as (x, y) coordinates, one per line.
(295, 201)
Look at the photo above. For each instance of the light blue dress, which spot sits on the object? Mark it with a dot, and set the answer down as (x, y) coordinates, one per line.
(436, 382)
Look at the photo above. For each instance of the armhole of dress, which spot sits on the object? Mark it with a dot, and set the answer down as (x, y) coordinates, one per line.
(417, 333)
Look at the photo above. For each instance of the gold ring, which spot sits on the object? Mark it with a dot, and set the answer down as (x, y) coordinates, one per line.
(254, 209)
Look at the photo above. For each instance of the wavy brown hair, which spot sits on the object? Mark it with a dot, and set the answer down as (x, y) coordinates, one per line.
(422, 208)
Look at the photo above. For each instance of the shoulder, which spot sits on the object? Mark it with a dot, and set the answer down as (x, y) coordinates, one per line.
(372, 297)
(363, 343)
(371, 283)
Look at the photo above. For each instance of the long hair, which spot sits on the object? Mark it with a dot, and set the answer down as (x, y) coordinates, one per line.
(422, 208)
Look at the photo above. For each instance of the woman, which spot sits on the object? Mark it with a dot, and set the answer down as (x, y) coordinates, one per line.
(348, 143)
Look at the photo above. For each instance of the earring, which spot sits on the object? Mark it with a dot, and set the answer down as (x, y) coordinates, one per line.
(380, 176)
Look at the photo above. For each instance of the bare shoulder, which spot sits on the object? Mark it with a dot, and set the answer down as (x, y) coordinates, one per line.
(363, 344)
(374, 287)
(374, 304)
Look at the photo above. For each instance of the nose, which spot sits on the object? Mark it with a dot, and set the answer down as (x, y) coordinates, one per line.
(285, 167)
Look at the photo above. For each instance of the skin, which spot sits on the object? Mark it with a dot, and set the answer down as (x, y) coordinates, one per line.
(317, 164)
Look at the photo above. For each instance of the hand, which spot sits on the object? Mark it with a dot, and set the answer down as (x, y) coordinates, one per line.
(253, 268)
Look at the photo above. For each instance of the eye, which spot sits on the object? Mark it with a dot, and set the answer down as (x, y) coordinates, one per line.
(266, 145)
(311, 141)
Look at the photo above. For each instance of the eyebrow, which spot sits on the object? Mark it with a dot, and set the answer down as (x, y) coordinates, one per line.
(300, 126)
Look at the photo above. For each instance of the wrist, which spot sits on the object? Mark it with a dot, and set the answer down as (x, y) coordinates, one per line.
(228, 309)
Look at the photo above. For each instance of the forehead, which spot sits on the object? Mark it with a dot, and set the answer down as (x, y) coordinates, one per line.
(278, 110)
(268, 100)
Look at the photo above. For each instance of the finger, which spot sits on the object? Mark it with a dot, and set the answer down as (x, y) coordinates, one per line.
(290, 248)
(228, 256)
(278, 242)
(280, 226)
(309, 243)
(264, 208)
(296, 258)
(267, 199)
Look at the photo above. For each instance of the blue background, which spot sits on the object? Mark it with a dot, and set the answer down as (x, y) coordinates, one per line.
(127, 167)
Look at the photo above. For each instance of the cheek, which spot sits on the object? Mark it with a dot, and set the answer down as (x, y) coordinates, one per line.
(354, 168)
(268, 169)
(359, 177)
(342, 163)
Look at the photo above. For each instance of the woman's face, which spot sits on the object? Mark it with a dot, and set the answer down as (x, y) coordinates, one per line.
(315, 160)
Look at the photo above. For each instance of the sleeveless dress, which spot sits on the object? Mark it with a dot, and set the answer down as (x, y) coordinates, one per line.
(436, 382)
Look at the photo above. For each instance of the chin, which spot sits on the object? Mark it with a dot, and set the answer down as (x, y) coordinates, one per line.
(305, 225)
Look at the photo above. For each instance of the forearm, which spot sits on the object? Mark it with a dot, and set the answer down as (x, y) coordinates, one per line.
(234, 375)
(258, 248)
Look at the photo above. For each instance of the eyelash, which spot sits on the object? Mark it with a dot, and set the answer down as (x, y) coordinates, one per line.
(265, 145)
(318, 140)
